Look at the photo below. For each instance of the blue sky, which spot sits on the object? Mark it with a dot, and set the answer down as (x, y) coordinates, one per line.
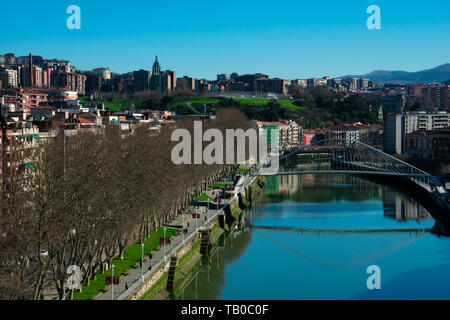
(288, 39)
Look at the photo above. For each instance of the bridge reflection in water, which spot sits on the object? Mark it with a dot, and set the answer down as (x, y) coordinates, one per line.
(339, 156)
(313, 236)
(337, 249)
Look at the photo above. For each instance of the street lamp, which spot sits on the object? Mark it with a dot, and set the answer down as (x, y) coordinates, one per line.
(112, 278)
(142, 263)
(183, 226)
(164, 246)
(218, 203)
(196, 215)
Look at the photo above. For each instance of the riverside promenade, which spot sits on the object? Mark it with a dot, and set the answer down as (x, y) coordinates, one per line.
(134, 276)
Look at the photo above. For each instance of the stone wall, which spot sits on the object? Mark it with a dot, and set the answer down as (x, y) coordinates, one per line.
(159, 273)
(163, 269)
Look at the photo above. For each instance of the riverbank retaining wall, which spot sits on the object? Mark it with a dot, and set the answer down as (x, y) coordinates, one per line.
(221, 224)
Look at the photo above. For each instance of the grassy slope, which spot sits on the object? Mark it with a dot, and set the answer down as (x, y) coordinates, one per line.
(114, 104)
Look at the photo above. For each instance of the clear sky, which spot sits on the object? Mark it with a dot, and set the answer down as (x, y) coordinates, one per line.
(288, 39)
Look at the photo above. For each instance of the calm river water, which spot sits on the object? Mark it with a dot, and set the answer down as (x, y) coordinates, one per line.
(313, 237)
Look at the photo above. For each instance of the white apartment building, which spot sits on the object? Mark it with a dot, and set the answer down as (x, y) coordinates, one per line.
(426, 121)
(10, 76)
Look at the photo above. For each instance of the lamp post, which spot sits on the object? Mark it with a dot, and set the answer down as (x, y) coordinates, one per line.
(183, 226)
(217, 203)
(112, 278)
(196, 215)
(142, 263)
(164, 246)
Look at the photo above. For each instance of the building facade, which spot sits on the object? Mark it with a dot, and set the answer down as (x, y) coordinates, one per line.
(141, 80)
(276, 85)
(429, 144)
(396, 126)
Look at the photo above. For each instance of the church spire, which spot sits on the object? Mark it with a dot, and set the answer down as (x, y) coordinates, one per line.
(156, 67)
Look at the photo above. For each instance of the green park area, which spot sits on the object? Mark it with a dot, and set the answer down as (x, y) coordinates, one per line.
(193, 101)
(177, 104)
(131, 257)
(116, 104)
(219, 185)
(264, 102)
(203, 197)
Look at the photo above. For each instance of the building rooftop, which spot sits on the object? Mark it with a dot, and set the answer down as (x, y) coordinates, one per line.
(423, 132)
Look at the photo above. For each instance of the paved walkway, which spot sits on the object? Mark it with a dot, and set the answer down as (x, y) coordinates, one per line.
(135, 275)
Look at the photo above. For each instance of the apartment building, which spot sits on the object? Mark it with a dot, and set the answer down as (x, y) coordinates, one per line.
(437, 94)
(429, 144)
(316, 82)
(287, 132)
(9, 76)
(396, 126)
(348, 133)
(371, 134)
(186, 83)
(24, 98)
(312, 136)
(104, 73)
(275, 85)
(141, 80)
(70, 81)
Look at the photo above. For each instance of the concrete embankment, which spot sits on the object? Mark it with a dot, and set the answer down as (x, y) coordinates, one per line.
(173, 274)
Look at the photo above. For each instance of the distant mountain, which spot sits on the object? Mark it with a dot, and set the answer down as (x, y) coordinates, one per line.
(438, 74)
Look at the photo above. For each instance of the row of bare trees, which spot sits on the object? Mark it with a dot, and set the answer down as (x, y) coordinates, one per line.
(88, 197)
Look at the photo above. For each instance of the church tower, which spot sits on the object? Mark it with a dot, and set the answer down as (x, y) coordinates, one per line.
(156, 68)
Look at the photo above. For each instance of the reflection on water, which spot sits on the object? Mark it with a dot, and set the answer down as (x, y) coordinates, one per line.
(313, 236)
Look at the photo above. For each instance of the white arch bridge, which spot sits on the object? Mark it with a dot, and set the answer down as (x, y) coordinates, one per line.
(335, 156)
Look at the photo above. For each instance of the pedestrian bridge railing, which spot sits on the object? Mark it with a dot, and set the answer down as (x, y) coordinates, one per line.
(348, 156)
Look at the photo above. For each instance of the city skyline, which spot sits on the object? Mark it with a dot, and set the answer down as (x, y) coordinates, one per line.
(218, 73)
(204, 39)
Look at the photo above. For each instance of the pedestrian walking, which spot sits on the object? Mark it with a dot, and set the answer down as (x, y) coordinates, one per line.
(150, 256)
(188, 224)
(149, 267)
(126, 286)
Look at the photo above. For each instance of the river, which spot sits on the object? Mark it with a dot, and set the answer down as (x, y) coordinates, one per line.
(314, 236)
